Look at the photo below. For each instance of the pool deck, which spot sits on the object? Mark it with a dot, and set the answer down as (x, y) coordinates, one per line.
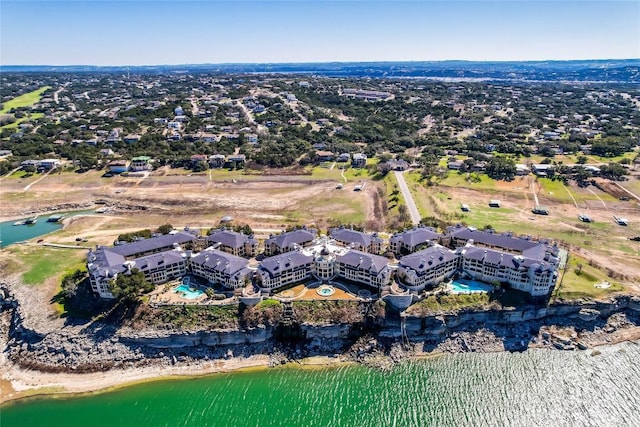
(475, 286)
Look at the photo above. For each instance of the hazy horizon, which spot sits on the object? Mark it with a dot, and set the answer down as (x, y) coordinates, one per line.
(118, 33)
(315, 62)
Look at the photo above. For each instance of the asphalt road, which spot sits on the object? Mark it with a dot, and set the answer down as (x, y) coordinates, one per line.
(408, 198)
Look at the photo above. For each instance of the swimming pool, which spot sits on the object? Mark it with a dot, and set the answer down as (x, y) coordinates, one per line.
(468, 286)
(186, 292)
(325, 290)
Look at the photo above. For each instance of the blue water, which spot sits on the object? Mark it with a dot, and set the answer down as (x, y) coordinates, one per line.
(468, 285)
(10, 234)
(188, 293)
(535, 388)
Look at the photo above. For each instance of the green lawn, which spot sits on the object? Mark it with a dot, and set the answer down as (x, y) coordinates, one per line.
(40, 262)
(25, 100)
(579, 280)
(455, 179)
(554, 190)
(33, 116)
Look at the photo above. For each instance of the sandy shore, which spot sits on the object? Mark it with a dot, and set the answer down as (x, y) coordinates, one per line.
(17, 383)
(20, 383)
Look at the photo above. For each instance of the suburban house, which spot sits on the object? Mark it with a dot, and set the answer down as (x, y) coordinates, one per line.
(411, 240)
(48, 164)
(288, 241)
(234, 243)
(455, 165)
(131, 139)
(140, 163)
(118, 166)
(393, 165)
(344, 157)
(358, 240)
(217, 161)
(198, 158)
(324, 156)
(542, 170)
(236, 159)
(359, 160)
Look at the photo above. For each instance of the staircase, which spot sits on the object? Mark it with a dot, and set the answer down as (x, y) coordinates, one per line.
(288, 315)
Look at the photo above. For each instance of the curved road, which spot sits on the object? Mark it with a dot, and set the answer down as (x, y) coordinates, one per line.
(408, 198)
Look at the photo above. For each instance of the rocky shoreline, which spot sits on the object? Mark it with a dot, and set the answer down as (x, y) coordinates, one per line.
(102, 348)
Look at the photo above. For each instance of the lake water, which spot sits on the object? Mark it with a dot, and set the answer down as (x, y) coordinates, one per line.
(535, 388)
(10, 233)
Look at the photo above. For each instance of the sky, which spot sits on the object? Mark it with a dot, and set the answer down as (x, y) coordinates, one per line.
(158, 32)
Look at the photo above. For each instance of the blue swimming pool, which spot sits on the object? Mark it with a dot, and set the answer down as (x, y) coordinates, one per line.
(468, 285)
(188, 293)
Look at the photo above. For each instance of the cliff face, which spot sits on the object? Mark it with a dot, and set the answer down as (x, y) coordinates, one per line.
(99, 346)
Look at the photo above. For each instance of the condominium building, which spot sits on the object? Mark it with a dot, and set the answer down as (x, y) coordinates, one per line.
(289, 241)
(222, 268)
(234, 243)
(410, 241)
(357, 240)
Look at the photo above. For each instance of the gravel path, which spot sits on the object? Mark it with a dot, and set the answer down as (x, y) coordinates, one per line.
(408, 198)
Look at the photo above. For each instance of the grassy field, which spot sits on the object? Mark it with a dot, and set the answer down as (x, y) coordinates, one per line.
(40, 263)
(455, 179)
(26, 100)
(33, 116)
(579, 279)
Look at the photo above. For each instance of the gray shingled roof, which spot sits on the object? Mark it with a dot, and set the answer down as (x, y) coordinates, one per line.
(427, 259)
(505, 259)
(230, 238)
(220, 261)
(152, 261)
(289, 238)
(416, 236)
(153, 243)
(363, 260)
(500, 240)
(353, 236)
(286, 261)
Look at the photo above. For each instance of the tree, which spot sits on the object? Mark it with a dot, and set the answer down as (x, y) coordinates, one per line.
(71, 281)
(165, 229)
(130, 285)
(501, 168)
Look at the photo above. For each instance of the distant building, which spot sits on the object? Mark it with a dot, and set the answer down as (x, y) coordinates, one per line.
(324, 156)
(367, 95)
(140, 163)
(217, 161)
(118, 166)
(131, 139)
(359, 160)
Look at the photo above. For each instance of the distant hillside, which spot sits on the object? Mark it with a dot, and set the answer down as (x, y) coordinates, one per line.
(620, 71)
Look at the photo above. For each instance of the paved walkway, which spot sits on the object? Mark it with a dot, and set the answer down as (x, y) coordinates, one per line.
(408, 198)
